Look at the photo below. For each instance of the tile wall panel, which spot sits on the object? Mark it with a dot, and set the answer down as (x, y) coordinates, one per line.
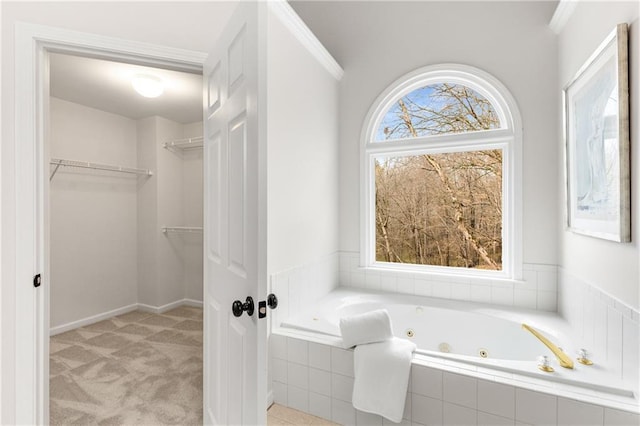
(300, 286)
(537, 290)
(606, 327)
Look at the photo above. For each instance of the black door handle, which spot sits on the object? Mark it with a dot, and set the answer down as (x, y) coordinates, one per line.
(272, 301)
(238, 307)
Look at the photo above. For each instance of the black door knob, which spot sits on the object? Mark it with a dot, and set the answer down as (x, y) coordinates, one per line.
(272, 301)
(238, 307)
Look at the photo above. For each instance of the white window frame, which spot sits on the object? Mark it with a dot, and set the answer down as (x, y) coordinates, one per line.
(508, 138)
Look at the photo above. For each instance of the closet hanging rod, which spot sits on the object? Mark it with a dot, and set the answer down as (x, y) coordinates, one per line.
(96, 166)
(187, 143)
(187, 229)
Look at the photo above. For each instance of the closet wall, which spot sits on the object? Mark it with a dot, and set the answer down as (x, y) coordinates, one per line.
(173, 198)
(93, 214)
(192, 210)
(108, 252)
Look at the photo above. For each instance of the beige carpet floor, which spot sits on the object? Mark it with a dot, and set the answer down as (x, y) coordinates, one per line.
(133, 369)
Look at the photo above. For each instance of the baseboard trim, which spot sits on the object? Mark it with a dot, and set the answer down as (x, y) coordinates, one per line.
(92, 319)
(193, 303)
(125, 309)
(160, 309)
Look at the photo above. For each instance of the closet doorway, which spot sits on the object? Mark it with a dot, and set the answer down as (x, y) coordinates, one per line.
(126, 212)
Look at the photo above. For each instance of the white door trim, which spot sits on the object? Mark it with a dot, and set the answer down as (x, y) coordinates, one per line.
(32, 42)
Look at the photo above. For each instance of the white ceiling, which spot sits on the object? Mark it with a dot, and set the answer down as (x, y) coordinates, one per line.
(106, 85)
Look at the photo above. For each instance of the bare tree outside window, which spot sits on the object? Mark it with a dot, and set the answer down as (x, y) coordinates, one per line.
(441, 209)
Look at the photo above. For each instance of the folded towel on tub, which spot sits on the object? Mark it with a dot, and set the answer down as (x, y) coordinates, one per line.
(370, 327)
(382, 376)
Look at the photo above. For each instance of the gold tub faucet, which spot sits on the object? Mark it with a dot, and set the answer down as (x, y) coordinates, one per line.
(563, 358)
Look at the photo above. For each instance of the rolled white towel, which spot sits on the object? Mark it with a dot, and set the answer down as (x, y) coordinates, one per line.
(370, 327)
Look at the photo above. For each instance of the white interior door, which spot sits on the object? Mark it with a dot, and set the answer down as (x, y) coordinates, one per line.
(235, 214)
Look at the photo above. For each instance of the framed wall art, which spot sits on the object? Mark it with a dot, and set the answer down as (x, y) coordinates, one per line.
(596, 114)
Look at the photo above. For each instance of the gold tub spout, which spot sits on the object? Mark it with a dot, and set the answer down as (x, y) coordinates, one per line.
(563, 359)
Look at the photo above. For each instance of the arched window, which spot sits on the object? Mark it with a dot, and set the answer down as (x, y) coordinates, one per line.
(441, 177)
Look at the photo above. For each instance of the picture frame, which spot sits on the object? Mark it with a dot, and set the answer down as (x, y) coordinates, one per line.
(596, 132)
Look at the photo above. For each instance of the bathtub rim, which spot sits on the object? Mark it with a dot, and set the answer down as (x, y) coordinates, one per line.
(548, 322)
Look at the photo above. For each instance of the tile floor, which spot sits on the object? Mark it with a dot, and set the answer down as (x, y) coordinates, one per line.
(279, 415)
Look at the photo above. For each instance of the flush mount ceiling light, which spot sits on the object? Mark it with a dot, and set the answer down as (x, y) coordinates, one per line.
(147, 85)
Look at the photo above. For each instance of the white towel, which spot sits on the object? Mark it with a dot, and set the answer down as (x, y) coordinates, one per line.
(382, 376)
(370, 327)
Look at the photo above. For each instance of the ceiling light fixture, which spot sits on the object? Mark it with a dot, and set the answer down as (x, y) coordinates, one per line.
(147, 85)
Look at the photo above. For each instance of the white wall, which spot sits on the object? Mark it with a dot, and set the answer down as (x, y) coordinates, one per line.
(599, 281)
(93, 214)
(170, 265)
(147, 218)
(192, 214)
(377, 42)
(612, 267)
(302, 154)
(302, 173)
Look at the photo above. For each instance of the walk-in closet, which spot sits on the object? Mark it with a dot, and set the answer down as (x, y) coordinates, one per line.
(126, 210)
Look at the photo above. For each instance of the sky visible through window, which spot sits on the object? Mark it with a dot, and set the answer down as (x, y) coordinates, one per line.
(437, 109)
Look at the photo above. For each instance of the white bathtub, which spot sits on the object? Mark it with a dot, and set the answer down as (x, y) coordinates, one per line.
(471, 336)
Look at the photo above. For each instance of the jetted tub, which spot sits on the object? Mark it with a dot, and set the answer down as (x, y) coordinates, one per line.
(483, 337)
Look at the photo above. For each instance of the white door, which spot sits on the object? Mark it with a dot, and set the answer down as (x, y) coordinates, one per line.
(235, 215)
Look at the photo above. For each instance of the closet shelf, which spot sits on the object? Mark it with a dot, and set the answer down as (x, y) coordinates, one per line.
(96, 166)
(184, 144)
(185, 229)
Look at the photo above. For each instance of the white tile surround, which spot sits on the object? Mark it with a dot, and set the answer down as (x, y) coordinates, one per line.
(300, 286)
(606, 327)
(318, 379)
(538, 290)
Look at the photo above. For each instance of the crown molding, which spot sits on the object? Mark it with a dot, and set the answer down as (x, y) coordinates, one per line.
(299, 29)
(561, 16)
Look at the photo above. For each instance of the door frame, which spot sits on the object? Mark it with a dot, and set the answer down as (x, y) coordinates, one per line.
(31, 184)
